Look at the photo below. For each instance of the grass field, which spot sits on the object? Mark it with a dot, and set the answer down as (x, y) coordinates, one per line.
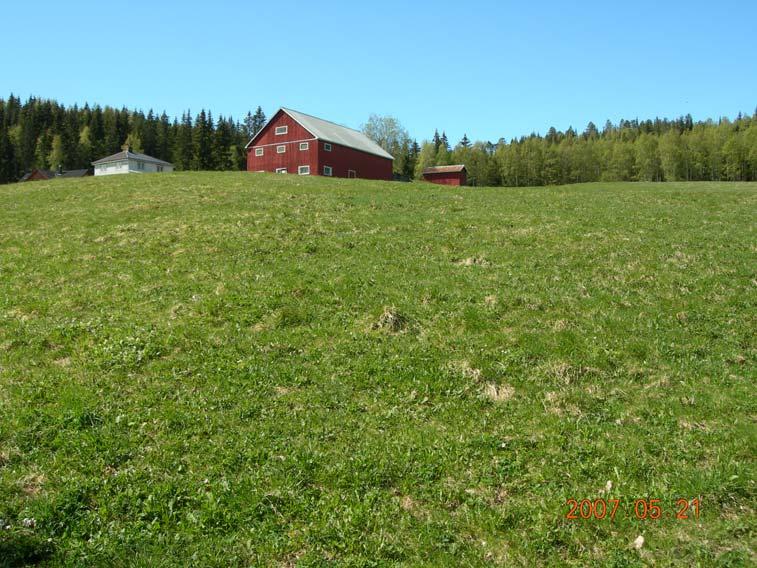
(235, 369)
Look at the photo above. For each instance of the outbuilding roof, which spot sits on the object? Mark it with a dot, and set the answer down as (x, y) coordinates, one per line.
(74, 174)
(444, 169)
(46, 174)
(50, 174)
(334, 133)
(128, 154)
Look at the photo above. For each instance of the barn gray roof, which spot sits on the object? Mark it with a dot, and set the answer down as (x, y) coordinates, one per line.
(334, 133)
(128, 154)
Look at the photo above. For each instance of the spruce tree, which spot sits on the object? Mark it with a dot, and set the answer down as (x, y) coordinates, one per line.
(28, 137)
(184, 148)
(222, 143)
(70, 141)
(591, 132)
(122, 127)
(7, 155)
(97, 134)
(249, 125)
(150, 135)
(203, 143)
(163, 143)
(111, 141)
(258, 121)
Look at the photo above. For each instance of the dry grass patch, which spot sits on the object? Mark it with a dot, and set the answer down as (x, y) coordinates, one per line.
(412, 506)
(407, 503)
(466, 370)
(568, 374)
(292, 559)
(473, 261)
(553, 404)
(31, 485)
(560, 325)
(499, 393)
(391, 321)
(689, 425)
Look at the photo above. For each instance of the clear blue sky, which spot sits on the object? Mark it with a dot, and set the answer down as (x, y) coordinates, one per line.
(485, 68)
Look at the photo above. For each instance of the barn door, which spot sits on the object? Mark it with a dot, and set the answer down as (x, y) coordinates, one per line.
(351, 174)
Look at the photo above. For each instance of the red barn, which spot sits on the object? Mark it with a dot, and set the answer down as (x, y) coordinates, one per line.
(296, 143)
(446, 175)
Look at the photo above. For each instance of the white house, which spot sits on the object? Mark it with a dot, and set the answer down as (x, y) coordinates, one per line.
(128, 162)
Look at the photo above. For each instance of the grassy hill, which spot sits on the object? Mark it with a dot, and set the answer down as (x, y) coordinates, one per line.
(224, 369)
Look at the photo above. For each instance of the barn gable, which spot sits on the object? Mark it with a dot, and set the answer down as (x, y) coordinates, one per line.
(267, 135)
(323, 130)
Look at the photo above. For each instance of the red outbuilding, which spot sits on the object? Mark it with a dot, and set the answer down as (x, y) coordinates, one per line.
(296, 143)
(446, 175)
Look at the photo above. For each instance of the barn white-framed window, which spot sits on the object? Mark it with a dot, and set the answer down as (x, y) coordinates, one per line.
(327, 171)
(281, 170)
(281, 149)
(259, 151)
(304, 170)
(351, 174)
(304, 146)
(327, 147)
(281, 130)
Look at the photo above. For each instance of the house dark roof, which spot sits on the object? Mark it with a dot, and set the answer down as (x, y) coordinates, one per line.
(445, 169)
(332, 132)
(129, 155)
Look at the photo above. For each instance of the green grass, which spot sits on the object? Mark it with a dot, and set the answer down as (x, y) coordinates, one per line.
(234, 369)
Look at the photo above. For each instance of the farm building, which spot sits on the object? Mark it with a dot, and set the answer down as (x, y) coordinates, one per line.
(40, 174)
(446, 175)
(128, 162)
(293, 142)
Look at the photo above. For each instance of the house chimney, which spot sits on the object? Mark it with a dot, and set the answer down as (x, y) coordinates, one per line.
(126, 147)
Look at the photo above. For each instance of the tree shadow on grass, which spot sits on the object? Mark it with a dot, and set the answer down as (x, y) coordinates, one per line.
(18, 549)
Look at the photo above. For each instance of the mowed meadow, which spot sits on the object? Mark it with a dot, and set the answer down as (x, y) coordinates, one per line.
(228, 369)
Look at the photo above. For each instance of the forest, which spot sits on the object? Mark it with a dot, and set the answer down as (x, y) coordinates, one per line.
(41, 133)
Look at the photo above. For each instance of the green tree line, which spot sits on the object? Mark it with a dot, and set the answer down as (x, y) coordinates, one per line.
(632, 150)
(41, 133)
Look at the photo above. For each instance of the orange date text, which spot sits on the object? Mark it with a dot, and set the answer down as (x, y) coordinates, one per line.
(641, 509)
